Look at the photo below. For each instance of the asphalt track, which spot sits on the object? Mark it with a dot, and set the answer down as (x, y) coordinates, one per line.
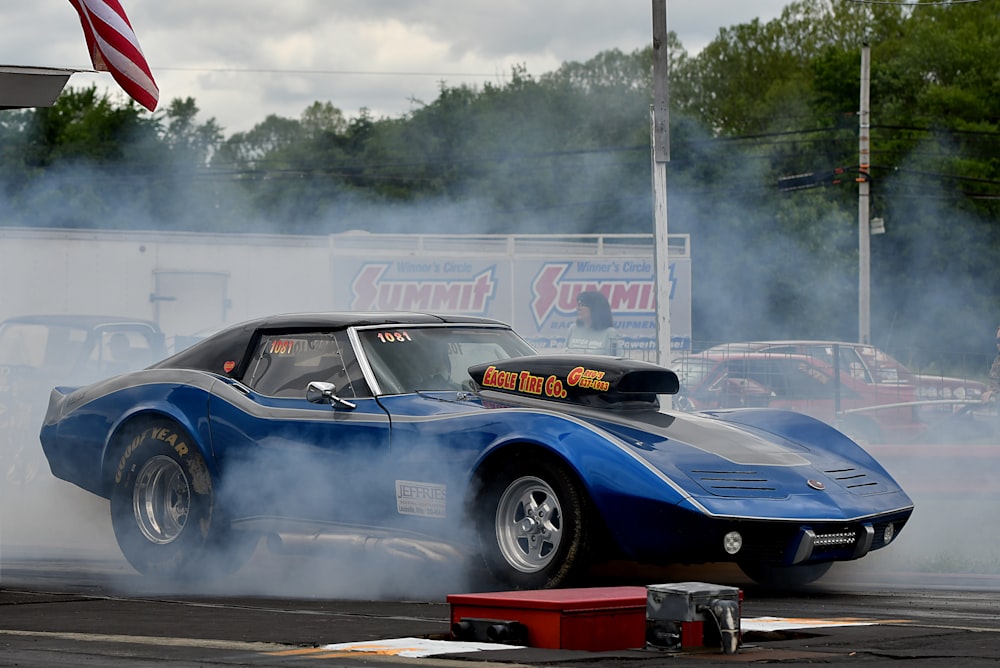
(67, 598)
(73, 611)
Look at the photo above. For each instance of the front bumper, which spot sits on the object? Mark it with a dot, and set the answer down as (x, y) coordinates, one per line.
(794, 544)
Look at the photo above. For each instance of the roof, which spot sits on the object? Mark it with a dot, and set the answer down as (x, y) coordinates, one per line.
(340, 319)
(229, 342)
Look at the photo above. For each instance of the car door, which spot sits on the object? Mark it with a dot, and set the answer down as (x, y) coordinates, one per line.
(281, 455)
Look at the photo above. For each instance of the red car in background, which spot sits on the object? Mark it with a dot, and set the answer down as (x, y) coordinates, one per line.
(870, 365)
(867, 412)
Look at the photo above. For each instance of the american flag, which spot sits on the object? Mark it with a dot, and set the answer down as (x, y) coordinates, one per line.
(114, 48)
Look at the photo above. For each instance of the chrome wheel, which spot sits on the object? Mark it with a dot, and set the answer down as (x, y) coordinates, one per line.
(529, 524)
(161, 500)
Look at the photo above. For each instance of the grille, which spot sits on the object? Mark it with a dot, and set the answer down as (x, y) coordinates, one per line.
(824, 543)
(834, 539)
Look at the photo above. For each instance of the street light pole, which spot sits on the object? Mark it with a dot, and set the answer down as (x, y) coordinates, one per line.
(660, 139)
(864, 207)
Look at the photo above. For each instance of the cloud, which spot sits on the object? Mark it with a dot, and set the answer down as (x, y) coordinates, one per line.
(242, 60)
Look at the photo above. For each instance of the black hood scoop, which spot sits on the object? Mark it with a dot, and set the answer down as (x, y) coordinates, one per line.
(587, 380)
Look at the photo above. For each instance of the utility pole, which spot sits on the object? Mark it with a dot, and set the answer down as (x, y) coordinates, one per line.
(864, 206)
(660, 140)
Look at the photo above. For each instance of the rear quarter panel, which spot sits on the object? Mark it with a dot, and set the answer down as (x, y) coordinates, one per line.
(81, 432)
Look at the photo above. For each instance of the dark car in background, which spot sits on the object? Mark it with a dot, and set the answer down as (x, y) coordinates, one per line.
(40, 351)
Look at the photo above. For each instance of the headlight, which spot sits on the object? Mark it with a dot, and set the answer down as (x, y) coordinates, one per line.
(732, 542)
(888, 533)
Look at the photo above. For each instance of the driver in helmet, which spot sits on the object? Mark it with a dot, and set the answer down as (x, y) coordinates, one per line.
(438, 366)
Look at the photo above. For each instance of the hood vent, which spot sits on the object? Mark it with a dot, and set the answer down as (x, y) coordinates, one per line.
(856, 480)
(735, 482)
(758, 483)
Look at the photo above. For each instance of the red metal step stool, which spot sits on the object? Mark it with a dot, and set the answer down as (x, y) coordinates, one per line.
(593, 619)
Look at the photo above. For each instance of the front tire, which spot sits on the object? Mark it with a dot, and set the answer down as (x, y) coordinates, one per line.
(163, 506)
(533, 526)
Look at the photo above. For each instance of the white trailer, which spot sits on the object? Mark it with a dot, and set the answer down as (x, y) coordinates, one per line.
(191, 283)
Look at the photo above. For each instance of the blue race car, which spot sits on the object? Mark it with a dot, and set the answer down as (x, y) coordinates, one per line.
(451, 432)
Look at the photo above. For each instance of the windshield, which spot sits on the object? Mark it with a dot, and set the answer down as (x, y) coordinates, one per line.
(411, 358)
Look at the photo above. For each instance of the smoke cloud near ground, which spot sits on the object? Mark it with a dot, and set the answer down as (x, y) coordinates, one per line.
(53, 524)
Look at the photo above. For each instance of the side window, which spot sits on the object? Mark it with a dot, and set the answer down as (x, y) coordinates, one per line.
(23, 344)
(121, 350)
(347, 375)
(808, 382)
(285, 364)
(769, 374)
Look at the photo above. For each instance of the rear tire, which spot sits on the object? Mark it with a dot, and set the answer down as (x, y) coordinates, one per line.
(533, 525)
(163, 508)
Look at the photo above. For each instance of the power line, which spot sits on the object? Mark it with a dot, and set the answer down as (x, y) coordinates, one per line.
(261, 70)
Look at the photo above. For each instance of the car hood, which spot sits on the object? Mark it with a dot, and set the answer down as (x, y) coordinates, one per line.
(725, 461)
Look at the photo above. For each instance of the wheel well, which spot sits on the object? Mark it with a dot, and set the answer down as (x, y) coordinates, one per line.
(125, 432)
(503, 456)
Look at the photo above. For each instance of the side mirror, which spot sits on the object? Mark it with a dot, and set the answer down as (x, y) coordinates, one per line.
(319, 392)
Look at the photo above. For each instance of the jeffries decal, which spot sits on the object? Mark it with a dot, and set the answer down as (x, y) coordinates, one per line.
(425, 499)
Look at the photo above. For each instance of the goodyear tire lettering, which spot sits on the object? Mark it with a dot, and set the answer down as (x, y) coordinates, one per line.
(195, 524)
(190, 547)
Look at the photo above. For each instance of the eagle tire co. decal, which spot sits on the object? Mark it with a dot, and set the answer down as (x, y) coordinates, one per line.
(524, 382)
(552, 386)
(423, 499)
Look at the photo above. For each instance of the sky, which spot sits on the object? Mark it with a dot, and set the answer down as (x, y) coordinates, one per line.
(242, 60)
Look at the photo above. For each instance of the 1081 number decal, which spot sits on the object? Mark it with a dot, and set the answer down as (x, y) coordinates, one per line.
(393, 337)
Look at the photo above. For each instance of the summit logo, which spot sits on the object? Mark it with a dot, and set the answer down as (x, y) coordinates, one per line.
(554, 294)
(372, 292)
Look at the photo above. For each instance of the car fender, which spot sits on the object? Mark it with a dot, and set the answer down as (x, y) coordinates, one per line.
(162, 396)
(605, 464)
